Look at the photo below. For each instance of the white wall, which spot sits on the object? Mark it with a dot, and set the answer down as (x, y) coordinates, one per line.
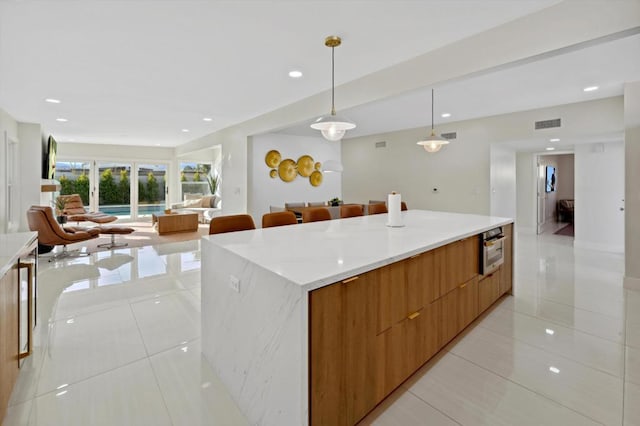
(566, 180)
(632, 188)
(8, 131)
(526, 218)
(460, 170)
(30, 155)
(503, 181)
(265, 191)
(599, 190)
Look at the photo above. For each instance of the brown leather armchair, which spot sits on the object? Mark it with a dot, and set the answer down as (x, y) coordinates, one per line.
(75, 211)
(50, 232)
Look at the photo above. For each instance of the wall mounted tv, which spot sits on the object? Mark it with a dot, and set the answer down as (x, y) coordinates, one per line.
(49, 159)
(550, 182)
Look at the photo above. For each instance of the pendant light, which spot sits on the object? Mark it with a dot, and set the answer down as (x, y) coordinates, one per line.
(332, 126)
(433, 143)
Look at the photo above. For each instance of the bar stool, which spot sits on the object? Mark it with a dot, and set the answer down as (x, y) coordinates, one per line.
(279, 219)
(232, 223)
(315, 214)
(353, 210)
(377, 208)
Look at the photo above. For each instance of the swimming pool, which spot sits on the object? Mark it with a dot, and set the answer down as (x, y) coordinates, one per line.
(125, 210)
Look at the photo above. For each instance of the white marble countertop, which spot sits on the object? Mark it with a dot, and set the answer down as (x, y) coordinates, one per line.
(313, 255)
(11, 246)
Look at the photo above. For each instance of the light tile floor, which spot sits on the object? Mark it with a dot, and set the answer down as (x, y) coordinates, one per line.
(118, 343)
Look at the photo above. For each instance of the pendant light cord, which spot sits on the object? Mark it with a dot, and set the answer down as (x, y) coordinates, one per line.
(431, 110)
(333, 84)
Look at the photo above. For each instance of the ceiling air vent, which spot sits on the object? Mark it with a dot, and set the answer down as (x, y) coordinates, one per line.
(548, 124)
(449, 136)
(382, 144)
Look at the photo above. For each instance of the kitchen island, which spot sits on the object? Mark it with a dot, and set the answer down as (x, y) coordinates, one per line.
(317, 323)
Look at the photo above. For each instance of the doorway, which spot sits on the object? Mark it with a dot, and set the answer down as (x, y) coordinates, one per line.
(555, 189)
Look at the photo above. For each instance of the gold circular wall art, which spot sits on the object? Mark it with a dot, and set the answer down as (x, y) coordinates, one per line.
(287, 170)
(305, 166)
(318, 166)
(316, 178)
(272, 158)
(273, 173)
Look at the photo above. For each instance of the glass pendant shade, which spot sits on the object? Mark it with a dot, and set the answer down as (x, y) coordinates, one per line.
(332, 126)
(433, 143)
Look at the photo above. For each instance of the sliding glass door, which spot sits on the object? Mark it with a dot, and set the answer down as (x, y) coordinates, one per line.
(152, 188)
(127, 190)
(114, 188)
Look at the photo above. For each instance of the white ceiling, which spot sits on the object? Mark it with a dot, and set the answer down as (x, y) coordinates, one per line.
(546, 82)
(137, 72)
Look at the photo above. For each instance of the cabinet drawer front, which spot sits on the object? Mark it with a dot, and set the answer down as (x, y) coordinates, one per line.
(489, 290)
(391, 296)
(467, 302)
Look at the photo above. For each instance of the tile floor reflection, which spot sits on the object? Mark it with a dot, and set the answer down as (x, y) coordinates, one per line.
(118, 342)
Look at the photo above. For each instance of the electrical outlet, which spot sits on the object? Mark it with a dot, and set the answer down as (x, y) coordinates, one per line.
(234, 283)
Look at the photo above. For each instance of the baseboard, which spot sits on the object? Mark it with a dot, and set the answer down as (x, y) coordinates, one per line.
(632, 283)
(611, 248)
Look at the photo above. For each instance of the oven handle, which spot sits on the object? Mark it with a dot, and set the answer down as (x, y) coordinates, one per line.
(493, 242)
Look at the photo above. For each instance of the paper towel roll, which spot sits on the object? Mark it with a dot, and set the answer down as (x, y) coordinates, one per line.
(393, 206)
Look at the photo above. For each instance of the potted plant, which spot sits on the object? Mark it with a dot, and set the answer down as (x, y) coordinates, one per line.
(335, 201)
(214, 183)
(61, 217)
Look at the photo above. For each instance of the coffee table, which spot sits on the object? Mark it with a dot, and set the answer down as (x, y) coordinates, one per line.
(171, 223)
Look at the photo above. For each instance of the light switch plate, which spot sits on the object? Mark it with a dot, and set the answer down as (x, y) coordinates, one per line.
(234, 283)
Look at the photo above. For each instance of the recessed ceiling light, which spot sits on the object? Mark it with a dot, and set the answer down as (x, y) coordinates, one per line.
(445, 115)
(590, 88)
(554, 370)
(62, 120)
(550, 148)
(550, 332)
(295, 74)
(52, 101)
(207, 119)
(185, 130)
(554, 140)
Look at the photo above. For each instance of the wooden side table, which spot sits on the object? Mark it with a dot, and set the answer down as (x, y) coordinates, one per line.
(175, 222)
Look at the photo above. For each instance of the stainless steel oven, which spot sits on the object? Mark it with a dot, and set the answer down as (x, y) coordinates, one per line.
(491, 250)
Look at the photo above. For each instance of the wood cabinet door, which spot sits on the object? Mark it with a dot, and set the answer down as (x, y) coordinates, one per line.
(423, 336)
(423, 286)
(506, 276)
(9, 336)
(449, 325)
(391, 296)
(467, 302)
(342, 367)
(461, 263)
(488, 290)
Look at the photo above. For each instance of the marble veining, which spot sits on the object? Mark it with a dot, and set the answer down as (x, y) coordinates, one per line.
(312, 255)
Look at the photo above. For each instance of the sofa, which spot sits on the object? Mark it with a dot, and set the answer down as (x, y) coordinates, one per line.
(207, 206)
